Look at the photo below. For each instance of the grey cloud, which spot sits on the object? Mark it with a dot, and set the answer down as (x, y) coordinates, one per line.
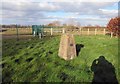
(32, 11)
(52, 7)
(29, 6)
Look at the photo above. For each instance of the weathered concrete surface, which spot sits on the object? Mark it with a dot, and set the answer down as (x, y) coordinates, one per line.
(67, 48)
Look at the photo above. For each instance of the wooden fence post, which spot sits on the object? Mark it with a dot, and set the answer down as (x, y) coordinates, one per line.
(51, 31)
(80, 30)
(24, 30)
(88, 31)
(34, 33)
(111, 34)
(40, 35)
(63, 30)
(104, 31)
(95, 31)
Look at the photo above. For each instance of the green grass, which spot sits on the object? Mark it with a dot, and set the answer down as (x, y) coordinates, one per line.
(37, 60)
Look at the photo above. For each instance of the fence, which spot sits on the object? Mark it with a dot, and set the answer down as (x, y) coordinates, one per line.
(80, 31)
(13, 31)
(59, 31)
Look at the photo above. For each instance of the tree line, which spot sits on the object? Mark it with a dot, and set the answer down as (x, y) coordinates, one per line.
(14, 26)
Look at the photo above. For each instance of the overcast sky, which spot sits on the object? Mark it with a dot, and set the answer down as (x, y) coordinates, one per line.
(28, 12)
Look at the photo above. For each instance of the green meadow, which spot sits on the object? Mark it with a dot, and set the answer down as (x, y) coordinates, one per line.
(37, 60)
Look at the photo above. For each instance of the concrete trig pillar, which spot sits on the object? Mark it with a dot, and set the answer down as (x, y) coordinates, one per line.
(67, 48)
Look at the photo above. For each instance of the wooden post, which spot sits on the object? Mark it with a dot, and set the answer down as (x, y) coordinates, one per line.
(95, 31)
(17, 32)
(34, 33)
(40, 35)
(111, 34)
(104, 32)
(26, 30)
(80, 30)
(51, 31)
(88, 31)
(63, 30)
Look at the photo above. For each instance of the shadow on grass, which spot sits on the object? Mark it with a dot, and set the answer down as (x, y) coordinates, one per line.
(104, 71)
(78, 48)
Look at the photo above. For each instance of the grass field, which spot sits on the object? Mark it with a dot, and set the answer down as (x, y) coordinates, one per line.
(36, 60)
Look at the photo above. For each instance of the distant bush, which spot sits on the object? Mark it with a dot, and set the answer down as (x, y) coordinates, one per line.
(114, 26)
